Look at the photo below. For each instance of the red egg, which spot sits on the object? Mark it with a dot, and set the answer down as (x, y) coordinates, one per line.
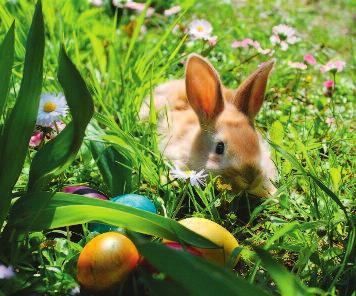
(105, 261)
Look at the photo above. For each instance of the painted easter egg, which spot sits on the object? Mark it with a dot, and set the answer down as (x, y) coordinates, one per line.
(84, 190)
(132, 200)
(215, 233)
(136, 201)
(77, 230)
(105, 261)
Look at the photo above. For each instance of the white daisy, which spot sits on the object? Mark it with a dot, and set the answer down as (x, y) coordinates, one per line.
(200, 29)
(283, 35)
(195, 178)
(51, 108)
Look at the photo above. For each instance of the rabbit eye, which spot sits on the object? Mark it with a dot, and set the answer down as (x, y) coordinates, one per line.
(220, 147)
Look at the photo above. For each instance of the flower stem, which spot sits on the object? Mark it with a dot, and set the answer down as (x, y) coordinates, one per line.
(56, 127)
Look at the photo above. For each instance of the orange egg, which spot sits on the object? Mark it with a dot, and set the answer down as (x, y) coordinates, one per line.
(105, 261)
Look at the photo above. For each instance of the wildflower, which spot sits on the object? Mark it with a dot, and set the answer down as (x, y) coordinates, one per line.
(296, 65)
(74, 291)
(200, 29)
(333, 66)
(309, 59)
(213, 40)
(328, 84)
(6, 272)
(330, 121)
(139, 7)
(171, 11)
(143, 29)
(51, 108)
(96, 3)
(36, 139)
(309, 78)
(283, 35)
(195, 178)
(249, 42)
(222, 186)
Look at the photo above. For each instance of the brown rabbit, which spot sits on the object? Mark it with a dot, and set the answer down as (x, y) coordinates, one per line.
(207, 126)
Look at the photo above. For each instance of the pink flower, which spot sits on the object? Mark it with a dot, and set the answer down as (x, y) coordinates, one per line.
(296, 65)
(172, 10)
(246, 42)
(249, 42)
(330, 121)
(283, 35)
(143, 29)
(328, 84)
(96, 3)
(334, 66)
(236, 44)
(309, 59)
(36, 139)
(213, 40)
(136, 6)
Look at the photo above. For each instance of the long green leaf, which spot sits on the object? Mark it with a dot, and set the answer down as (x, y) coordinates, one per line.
(45, 210)
(196, 275)
(21, 122)
(7, 49)
(57, 154)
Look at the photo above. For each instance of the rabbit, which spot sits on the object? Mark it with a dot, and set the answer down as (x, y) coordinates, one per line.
(205, 125)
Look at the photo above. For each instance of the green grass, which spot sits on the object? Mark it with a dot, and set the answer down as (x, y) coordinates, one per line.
(307, 226)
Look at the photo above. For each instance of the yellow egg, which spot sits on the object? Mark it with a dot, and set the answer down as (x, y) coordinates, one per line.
(215, 233)
(105, 261)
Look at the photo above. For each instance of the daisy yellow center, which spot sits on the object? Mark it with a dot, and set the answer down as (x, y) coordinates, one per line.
(189, 173)
(200, 28)
(49, 107)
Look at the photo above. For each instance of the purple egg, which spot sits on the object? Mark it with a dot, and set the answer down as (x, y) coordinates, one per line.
(85, 191)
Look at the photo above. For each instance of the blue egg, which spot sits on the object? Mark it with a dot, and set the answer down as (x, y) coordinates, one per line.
(136, 201)
(132, 200)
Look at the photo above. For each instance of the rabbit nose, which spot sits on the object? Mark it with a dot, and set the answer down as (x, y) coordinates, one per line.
(213, 157)
(249, 177)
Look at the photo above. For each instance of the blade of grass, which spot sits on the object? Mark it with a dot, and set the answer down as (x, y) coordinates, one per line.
(21, 122)
(7, 49)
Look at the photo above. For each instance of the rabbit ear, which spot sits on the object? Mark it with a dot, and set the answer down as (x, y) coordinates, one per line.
(203, 88)
(250, 94)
